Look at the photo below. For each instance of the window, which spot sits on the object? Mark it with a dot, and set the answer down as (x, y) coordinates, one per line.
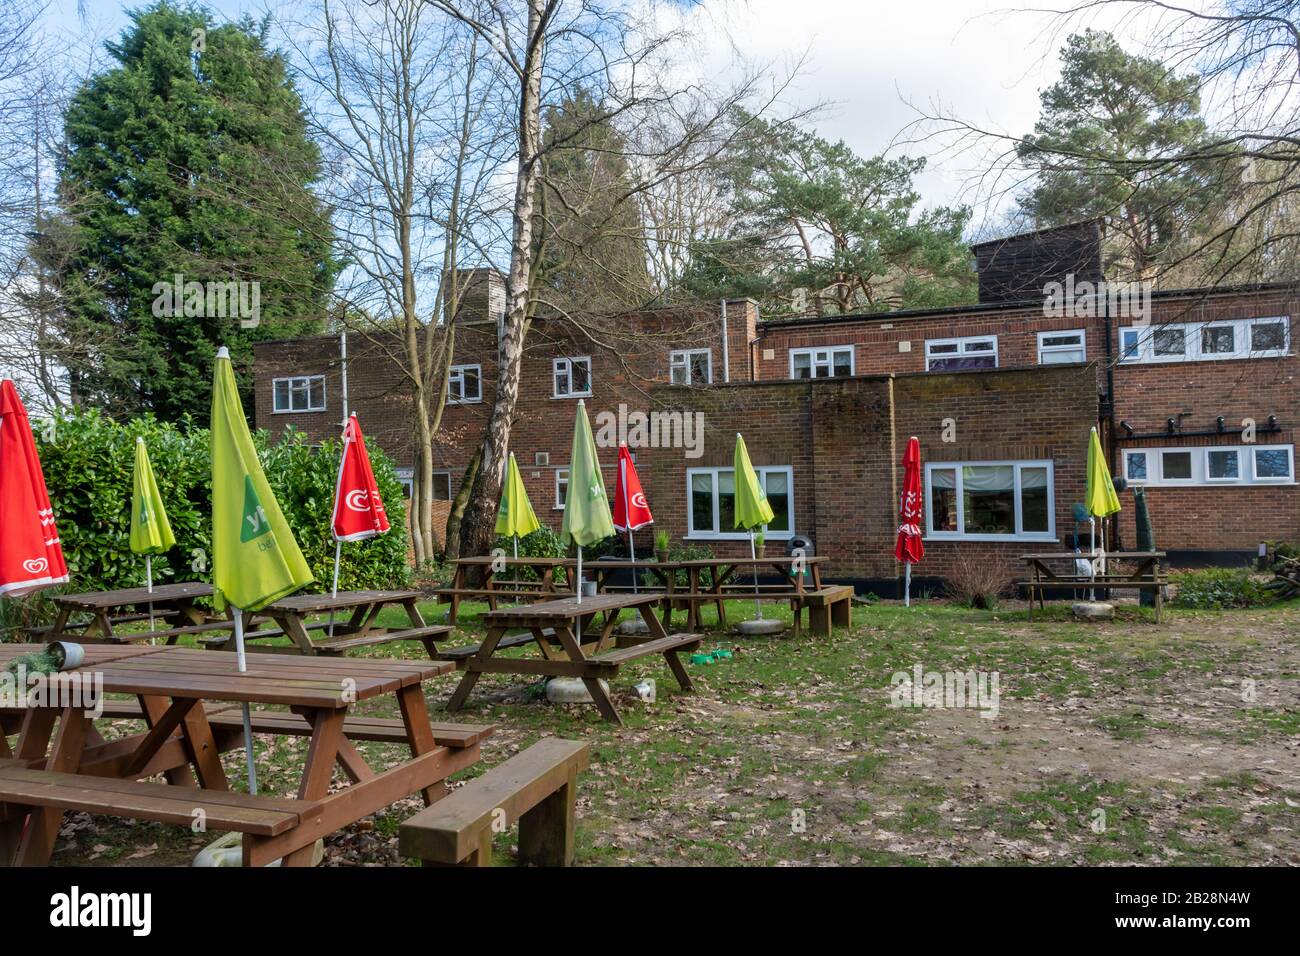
(303, 394)
(1055, 348)
(465, 384)
(1274, 464)
(442, 486)
(1199, 342)
(834, 362)
(712, 500)
(1135, 465)
(691, 367)
(952, 355)
(990, 501)
(1224, 465)
(561, 487)
(572, 377)
(407, 477)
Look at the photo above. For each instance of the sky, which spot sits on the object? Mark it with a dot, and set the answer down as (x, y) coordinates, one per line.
(871, 62)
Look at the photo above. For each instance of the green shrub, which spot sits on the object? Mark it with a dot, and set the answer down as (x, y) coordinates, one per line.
(543, 543)
(88, 462)
(1214, 588)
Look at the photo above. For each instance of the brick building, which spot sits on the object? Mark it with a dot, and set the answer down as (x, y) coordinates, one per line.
(1194, 391)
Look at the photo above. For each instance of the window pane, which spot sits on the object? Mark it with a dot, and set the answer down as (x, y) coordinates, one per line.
(581, 376)
(979, 347)
(441, 486)
(1176, 465)
(1170, 342)
(281, 395)
(1272, 463)
(1224, 464)
(777, 486)
(1050, 341)
(943, 499)
(803, 365)
(988, 499)
(318, 393)
(1130, 341)
(842, 362)
(1062, 356)
(1268, 337)
(702, 502)
(1033, 499)
(1137, 466)
(943, 348)
(561, 486)
(470, 384)
(727, 500)
(700, 368)
(1218, 340)
(561, 379)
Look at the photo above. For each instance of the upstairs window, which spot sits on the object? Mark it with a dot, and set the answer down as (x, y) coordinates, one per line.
(572, 377)
(465, 384)
(304, 393)
(955, 355)
(834, 362)
(1206, 341)
(1056, 348)
(691, 366)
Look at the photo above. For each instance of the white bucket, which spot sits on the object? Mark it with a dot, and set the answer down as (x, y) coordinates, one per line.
(69, 654)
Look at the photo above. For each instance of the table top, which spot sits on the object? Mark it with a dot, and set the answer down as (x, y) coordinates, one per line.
(525, 561)
(290, 680)
(95, 653)
(567, 609)
(1117, 555)
(100, 600)
(310, 603)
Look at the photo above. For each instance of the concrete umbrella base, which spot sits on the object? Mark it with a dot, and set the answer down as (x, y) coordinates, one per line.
(1093, 611)
(756, 628)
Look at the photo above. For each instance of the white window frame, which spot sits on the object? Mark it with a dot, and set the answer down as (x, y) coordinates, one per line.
(561, 486)
(962, 342)
(823, 356)
(566, 364)
(457, 374)
(406, 477)
(1056, 349)
(1246, 469)
(709, 535)
(298, 383)
(681, 358)
(1020, 534)
(1193, 350)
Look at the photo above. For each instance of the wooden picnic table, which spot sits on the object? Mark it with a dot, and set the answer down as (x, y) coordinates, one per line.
(712, 580)
(492, 590)
(356, 627)
(558, 628)
(171, 603)
(77, 769)
(1143, 576)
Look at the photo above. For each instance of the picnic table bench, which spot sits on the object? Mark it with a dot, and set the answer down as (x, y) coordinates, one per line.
(558, 629)
(48, 773)
(491, 590)
(1144, 575)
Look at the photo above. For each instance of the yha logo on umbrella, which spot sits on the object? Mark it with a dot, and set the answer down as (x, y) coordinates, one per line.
(255, 523)
(36, 565)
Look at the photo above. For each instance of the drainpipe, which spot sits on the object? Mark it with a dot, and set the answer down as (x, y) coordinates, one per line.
(726, 348)
(343, 371)
(1110, 397)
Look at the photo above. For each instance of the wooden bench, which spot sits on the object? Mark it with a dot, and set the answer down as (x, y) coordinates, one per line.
(459, 655)
(537, 788)
(1079, 584)
(827, 608)
(426, 635)
(222, 810)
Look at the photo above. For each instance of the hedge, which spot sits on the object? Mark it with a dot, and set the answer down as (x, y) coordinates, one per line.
(88, 457)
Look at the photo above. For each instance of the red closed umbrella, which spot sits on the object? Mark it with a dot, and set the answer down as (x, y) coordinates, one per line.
(31, 556)
(358, 509)
(909, 548)
(631, 510)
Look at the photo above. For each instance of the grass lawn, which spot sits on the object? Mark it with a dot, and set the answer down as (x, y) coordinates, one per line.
(1120, 743)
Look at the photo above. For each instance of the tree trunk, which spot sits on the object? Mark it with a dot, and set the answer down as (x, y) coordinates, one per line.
(478, 526)
(457, 511)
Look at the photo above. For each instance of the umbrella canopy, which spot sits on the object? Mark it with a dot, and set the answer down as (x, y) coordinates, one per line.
(516, 517)
(255, 559)
(586, 506)
(1100, 499)
(151, 532)
(752, 509)
(631, 510)
(31, 556)
(909, 548)
(358, 509)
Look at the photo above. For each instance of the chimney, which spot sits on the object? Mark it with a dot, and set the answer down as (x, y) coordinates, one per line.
(482, 294)
(1017, 269)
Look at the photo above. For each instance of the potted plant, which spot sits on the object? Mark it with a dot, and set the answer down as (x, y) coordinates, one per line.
(760, 543)
(661, 547)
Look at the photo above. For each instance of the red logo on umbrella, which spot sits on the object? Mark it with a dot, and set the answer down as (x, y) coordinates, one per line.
(358, 509)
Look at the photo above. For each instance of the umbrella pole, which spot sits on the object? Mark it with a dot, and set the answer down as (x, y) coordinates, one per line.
(578, 588)
(515, 537)
(907, 584)
(148, 578)
(338, 553)
(248, 723)
(1092, 546)
(631, 553)
(753, 553)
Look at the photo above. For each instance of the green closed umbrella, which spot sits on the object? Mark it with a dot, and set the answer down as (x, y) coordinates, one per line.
(1100, 495)
(516, 517)
(587, 518)
(752, 508)
(151, 532)
(255, 558)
